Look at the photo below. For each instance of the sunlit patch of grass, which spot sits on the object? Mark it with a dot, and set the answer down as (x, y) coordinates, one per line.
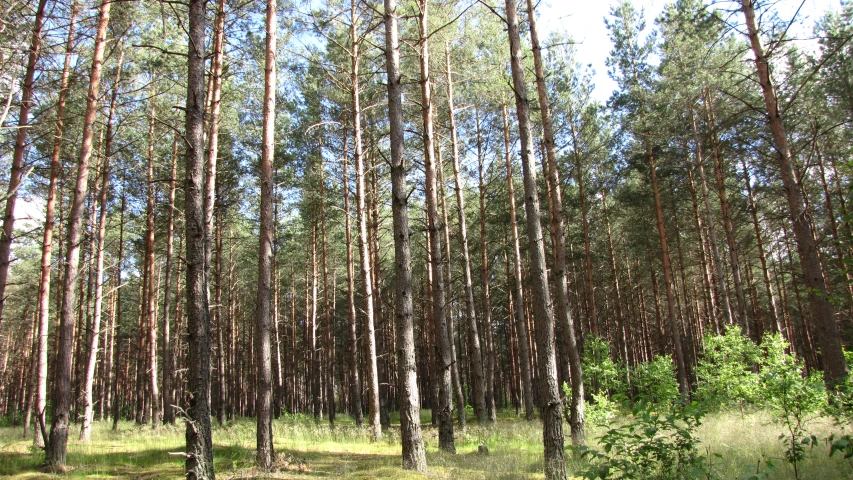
(308, 449)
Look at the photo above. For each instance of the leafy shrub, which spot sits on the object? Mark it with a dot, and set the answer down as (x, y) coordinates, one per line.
(656, 382)
(725, 370)
(793, 398)
(600, 372)
(650, 446)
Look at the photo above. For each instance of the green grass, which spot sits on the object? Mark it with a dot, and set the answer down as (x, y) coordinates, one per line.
(308, 450)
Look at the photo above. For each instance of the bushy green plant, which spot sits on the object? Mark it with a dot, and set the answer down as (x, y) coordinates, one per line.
(725, 371)
(656, 382)
(793, 397)
(650, 446)
(600, 372)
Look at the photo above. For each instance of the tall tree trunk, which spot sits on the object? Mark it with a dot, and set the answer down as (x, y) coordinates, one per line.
(779, 320)
(728, 228)
(673, 322)
(17, 173)
(414, 453)
(47, 240)
(552, 416)
(443, 357)
(835, 366)
(355, 385)
(720, 277)
(214, 99)
(328, 330)
(151, 298)
(364, 253)
(116, 405)
(199, 463)
(558, 234)
(88, 412)
(168, 367)
(58, 442)
(518, 290)
(478, 380)
(486, 281)
(263, 350)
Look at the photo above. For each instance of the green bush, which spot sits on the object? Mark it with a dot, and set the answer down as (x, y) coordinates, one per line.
(600, 372)
(650, 446)
(725, 371)
(656, 382)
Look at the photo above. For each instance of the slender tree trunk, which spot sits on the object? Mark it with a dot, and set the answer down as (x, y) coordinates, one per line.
(724, 303)
(835, 366)
(168, 412)
(673, 322)
(214, 99)
(47, 240)
(151, 298)
(478, 380)
(728, 228)
(57, 444)
(355, 383)
(263, 350)
(443, 358)
(199, 463)
(552, 417)
(17, 173)
(116, 405)
(558, 233)
(88, 412)
(518, 290)
(364, 253)
(414, 453)
(486, 281)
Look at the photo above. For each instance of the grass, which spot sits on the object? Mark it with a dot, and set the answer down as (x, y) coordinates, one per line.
(308, 450)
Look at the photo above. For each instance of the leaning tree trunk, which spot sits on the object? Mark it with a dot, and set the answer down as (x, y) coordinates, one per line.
(414, 453)
(58, 442)
(835, 366)
(199, 463)
(552, 416)
(16, 175)
(558, 235)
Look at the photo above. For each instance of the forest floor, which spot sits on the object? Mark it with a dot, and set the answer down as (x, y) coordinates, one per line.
(737, 444)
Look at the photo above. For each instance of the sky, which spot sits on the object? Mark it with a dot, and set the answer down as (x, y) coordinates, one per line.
(584, 21)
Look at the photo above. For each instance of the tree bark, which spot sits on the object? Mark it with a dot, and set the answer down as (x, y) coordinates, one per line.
(364, 253)
(263, 348)
(58, 442)
(93, 340)
(199, 463)
(414, 453)
(150, 316)
(47, 240)
(552, 417)
(478, 379)
(518, 290)
(558, 235)
(168, 367)
(443, 357)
